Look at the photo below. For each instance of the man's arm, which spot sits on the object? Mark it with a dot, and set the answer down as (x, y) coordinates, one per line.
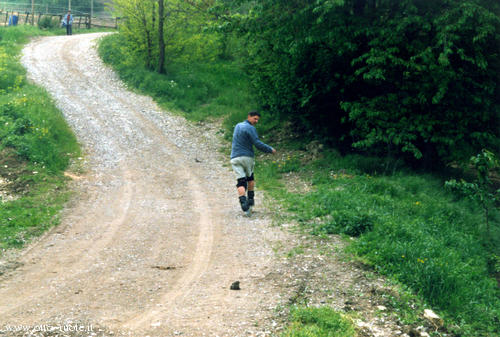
(258, 143)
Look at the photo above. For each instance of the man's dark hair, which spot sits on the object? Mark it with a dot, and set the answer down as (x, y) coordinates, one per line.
(254, 113)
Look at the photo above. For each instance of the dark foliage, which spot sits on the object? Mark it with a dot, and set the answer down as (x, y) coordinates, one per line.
(411, 77)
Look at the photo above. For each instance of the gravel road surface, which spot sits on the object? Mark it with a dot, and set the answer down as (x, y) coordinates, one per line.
(155, 236)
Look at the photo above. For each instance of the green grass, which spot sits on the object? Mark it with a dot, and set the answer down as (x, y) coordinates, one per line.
(318, 322)
(36, 146)
(407, 227)
(404, 223)
(43, 195)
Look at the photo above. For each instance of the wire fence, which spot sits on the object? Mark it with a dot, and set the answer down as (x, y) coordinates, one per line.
(39, 8)
(21, 13)
(55, 8)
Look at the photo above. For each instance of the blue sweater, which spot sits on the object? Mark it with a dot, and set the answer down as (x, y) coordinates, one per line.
(244, 137)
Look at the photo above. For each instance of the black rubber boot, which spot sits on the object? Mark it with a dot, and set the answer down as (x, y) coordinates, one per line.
(244, 203)
(251, 200)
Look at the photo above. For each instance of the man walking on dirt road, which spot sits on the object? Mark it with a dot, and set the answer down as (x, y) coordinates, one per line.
(242, 157)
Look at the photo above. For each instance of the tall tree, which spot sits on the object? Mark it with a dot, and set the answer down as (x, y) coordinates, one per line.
(161, 39)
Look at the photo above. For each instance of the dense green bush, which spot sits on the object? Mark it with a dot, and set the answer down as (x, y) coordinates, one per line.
(415, 77)
(429, 80)
(48, 22)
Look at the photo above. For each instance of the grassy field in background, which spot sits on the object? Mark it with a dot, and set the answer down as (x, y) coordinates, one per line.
(36, 146)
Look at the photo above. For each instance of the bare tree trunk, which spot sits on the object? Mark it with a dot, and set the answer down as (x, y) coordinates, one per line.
(147, 35)
(32, 12)
(161, 39)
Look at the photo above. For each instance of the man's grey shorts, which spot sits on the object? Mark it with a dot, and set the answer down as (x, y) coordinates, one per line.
(243, 166)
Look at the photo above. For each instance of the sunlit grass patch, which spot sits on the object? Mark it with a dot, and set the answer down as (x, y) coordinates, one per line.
(319, 322)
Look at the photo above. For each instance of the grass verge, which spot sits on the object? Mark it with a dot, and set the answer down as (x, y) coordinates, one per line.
(405, 225)
(36, 146)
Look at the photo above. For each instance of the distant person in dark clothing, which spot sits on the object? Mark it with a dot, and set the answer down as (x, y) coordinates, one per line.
(67, 21)
(242, 157)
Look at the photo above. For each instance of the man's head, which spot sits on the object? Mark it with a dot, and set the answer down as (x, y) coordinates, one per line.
(253, 117)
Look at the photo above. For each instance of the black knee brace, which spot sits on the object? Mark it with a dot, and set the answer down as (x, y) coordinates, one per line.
(251, 178)
(242, 182)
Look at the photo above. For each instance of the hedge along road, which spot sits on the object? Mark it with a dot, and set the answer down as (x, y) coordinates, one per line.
(153, 238)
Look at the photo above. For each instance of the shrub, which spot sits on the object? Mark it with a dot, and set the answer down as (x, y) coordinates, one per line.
(482, 190)
(422, 81)
(48, 22)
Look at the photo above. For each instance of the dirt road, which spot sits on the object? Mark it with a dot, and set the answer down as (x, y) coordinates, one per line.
(154, 237)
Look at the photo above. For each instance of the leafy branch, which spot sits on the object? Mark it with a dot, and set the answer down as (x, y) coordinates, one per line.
(482, 189)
